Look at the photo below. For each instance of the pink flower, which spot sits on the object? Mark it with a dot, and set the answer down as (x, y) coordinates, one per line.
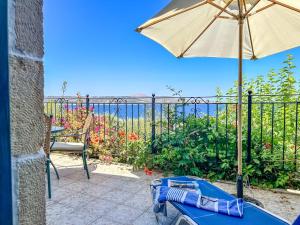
(62, 120)
(101, 119)
(107, 158)
(67, 125)
(97, 129)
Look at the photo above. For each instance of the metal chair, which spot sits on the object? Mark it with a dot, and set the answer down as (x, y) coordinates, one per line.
(46, 147)
(76, 147)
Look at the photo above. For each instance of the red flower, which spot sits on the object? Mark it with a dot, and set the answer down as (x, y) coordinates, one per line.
(133, 137)
(148, 172)
(95, 139)
(267, 146)
(122, 133)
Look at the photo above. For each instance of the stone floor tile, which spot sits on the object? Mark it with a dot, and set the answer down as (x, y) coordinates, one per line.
(145, 191)
(79, 186)
(98, 191)
(59, 194)
(146, 218)
(77, 200)
(105, 221)
(115, 181)
(124, 214)
(132, 186)
(139, 202)
(98, 178)
(55, 211)
(61, 183)
(81, 217)
(49, 202)
(108, 185)
(100, 207)
(117, 196)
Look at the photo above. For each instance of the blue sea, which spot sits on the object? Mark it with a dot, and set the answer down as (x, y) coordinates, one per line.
(140, 110)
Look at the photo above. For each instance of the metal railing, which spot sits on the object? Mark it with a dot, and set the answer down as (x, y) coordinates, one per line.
(271, 125)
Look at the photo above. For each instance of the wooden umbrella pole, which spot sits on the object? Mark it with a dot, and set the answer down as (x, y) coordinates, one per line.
(240, 102)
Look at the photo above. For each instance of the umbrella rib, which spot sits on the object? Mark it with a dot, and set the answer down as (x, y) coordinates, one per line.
(261, 9)
(227, 17)
(220, 7)
(249, 30)
(139, 29)
(251, 8)
(285, 5)
(205, 29)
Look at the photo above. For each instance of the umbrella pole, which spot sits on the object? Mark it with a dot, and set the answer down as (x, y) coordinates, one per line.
(240, 93)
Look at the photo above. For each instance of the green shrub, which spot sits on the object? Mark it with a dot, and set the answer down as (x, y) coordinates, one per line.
(200, 147)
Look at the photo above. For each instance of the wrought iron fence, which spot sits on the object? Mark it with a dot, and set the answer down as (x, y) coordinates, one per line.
(270, 122)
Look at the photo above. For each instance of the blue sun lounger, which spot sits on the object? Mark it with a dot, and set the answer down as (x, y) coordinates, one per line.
(253, 215)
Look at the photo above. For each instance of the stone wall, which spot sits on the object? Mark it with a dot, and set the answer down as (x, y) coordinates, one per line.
(26, 102)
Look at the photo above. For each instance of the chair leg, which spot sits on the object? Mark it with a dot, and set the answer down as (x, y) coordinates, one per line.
(83, 160)
(56, 172)
(85, 164)
(48, 177)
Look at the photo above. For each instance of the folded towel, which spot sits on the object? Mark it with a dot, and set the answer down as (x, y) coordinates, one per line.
(186, 185)
(162, 194)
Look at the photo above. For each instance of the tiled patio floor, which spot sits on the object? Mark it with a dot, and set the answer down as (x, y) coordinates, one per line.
(113, 196)
(117, 196)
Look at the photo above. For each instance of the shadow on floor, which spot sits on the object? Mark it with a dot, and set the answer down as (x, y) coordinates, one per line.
(114, 195)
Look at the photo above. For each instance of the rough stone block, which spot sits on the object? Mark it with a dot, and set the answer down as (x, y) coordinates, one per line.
(29, 27)
(29, 176)
(26, 94)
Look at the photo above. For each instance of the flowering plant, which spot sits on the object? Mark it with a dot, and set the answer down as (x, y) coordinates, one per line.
(108, 139)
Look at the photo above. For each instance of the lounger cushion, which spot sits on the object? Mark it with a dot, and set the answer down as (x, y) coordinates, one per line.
(67, 146)
(253, 215)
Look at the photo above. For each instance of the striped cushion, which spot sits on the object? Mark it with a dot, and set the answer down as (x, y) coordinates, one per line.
(191, 198)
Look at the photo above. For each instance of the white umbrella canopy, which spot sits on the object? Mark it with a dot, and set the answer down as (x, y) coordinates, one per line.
(248, 29)
(205, 28)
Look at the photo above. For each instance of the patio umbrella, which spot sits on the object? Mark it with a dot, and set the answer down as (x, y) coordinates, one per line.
(243, 29)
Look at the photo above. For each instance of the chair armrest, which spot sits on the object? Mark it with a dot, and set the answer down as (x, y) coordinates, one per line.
(67, 136)
(71, 135)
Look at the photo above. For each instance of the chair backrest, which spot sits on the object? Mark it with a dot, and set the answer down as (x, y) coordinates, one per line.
(86, 127)
(47, 133)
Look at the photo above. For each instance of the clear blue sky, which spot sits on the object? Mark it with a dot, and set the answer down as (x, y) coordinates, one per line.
(92, 45)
